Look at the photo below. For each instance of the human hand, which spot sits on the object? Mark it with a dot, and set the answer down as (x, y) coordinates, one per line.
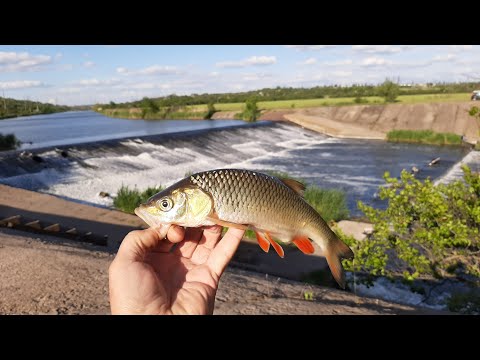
(147, 278)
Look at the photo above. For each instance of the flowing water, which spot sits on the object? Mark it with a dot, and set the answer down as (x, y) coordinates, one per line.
(355, 166)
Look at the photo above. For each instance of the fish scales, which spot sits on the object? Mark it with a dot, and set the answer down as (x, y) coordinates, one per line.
(247, 197)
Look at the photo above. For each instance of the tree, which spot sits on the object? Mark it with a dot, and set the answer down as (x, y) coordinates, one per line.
(210, 110)
(149, 104)
(389, 90)
(251, 111)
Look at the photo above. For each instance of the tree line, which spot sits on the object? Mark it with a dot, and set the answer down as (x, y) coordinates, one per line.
(290, 93)
(12, 108)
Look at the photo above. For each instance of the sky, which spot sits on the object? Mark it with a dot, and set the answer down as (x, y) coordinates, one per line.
(83, 75)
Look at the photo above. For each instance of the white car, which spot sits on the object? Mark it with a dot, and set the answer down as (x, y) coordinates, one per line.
(475, 95)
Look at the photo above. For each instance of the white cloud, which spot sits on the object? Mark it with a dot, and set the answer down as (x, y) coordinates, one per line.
(461, 47)
(88, 64)
(150, 70)
(214, 74)
(255, 76)
(58, 55)
(251, 61)
(309, 47)
(14, 61)
(20, 84)
(342, 73)
(64, 67)
(309, 61)
(380, 49)
(96, 82)
(375, 61)
(338, 63)
(443, 58)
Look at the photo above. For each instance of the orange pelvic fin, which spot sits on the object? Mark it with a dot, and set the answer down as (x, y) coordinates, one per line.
(277, 247)
(264, 244)
(304, 244)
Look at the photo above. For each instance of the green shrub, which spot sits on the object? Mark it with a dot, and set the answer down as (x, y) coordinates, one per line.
(210, 111)
(251, 111)
(128, 199)
(8, 142)
(425, 230)
(465, 303)
(389, 91)
(424, 137)
(360, 100)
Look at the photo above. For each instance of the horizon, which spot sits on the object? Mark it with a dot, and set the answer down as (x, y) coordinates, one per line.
(87, 75)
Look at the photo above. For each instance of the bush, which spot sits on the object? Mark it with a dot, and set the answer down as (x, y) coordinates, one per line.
(424, 137)
(360, 100)
(389, 90)
(250, 113)
(210, 111)
(9, 142)
(425, 230)
(128, 199)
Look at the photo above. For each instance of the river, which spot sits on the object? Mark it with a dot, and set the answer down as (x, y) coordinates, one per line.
(355, 166)
(75, 127)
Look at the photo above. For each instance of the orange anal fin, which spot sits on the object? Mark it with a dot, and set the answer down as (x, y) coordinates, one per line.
(217, 221)
(264, 244)
(304, 244)
(277, 247)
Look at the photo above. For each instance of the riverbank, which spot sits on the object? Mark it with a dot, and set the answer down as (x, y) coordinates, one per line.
(363, 121)
(45, 275)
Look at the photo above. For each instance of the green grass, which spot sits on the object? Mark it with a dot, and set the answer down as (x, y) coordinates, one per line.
(128, 199)
(200, 111)
(465, 303)
(8, 142)
(372, 100)
(424, 137)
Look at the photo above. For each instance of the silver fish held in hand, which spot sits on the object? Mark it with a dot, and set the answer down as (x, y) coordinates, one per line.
(272, 207)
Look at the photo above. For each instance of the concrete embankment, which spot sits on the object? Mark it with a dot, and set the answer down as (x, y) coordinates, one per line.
(375, 121)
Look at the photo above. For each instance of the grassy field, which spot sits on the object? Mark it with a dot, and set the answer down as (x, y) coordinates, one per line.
(305, 103)
(424, 137)
(199, 111)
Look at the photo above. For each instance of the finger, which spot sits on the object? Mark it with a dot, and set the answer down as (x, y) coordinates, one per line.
(137, 243)
(211, 236)
(174, 235)
(223, 252)
(187, 247)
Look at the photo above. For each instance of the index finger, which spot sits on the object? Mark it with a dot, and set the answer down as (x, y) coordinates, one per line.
(138, 243)
(224, 251)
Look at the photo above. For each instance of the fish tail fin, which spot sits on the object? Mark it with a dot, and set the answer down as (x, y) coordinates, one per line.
(335, 250)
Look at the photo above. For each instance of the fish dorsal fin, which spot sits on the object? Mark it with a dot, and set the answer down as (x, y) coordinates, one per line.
(295, 185)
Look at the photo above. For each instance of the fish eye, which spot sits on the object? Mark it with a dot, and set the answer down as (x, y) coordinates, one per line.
(165, 204)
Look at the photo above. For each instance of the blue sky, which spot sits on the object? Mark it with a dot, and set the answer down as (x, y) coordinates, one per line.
(75, 75)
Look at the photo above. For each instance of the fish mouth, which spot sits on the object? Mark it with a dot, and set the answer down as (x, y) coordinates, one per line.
(151, 220)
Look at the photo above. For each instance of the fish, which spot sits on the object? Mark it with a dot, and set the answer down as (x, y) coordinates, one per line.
(274, 208)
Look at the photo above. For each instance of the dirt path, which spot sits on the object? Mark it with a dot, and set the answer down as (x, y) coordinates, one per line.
(45, 275)
(52, 209)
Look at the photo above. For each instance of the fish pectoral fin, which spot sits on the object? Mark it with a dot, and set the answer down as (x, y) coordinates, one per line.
(276, 246)
(304, 244)
(217, 221)
(264, 244)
